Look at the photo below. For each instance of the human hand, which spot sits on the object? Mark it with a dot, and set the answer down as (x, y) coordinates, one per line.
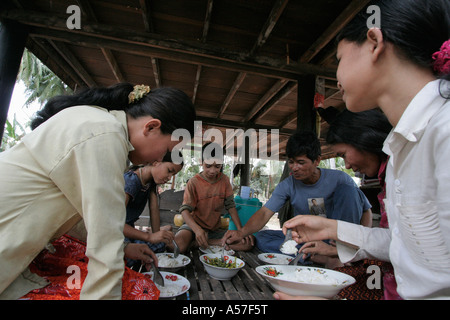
(320, 248)
(140, 251)
(306, 228)
(232, 236)
(161, 236)
(249, 240)
(201, 236)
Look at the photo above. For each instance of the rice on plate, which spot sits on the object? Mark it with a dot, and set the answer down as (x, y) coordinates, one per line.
(174, 284)
(311, 281)
(168, 262)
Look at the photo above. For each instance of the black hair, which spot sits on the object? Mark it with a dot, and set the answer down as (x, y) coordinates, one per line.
(417, 28)
(213, 151)
(171, 106)
(304, 143)
(365, 130)
(168, 158)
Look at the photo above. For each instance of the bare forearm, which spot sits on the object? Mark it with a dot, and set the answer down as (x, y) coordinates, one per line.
(257, 221)
(366, 219)
(235, 217)
(133, 233)
(155, 219)
(189, 220)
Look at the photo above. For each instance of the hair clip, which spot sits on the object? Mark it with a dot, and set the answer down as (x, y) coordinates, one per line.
(139, 91)
(442, 59)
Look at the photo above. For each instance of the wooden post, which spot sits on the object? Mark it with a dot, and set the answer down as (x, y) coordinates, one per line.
(13, 36)
(245, 169)
(306, 119)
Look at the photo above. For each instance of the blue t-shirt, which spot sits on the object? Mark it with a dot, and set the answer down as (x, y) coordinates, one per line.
(138, 196)
(319, 198)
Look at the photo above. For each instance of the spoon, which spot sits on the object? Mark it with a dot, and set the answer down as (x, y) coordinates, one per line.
(223, 250)
(157, 277)
(176, 249)
(287, 238)
(298, 257)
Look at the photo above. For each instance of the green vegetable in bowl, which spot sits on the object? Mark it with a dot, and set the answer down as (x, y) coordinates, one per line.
(218, 262)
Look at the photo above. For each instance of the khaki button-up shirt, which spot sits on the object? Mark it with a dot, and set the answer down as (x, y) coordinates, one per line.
(70, 167)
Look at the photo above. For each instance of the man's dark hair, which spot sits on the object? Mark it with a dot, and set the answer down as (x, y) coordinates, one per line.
(304, 143)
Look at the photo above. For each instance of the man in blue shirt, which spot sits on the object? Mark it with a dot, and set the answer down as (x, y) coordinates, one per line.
(308, 187)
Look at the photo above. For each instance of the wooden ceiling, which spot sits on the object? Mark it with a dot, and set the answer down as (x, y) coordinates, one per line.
(239, 60)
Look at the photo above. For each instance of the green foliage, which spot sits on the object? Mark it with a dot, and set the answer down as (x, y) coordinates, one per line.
(12, 134)
(41, 83)
(339, 164)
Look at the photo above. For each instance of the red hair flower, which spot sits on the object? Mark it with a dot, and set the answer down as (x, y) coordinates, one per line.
(442, 59)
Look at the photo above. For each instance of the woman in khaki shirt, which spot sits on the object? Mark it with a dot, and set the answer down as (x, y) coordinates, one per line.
(70, 167)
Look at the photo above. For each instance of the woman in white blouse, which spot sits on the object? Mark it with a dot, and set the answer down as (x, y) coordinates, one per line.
(402, 67)
(70, 167)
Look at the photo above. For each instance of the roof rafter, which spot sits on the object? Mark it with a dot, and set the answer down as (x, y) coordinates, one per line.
(206, 25)
(86, 8)
(270, 23)
(333, 29)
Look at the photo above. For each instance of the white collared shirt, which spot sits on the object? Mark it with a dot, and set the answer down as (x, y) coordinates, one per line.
(417, 202)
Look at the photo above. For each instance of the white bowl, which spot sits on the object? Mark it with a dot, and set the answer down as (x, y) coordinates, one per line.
(316, 281)
(220, 273)
(174, 284)
(216, 250)
(275, 258)
(168, 262)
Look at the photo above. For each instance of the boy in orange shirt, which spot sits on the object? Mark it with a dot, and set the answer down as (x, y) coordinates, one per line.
(205, 196)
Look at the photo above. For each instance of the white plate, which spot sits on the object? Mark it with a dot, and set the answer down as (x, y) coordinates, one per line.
(216, 250)
(316, 281)
(174, 284)
(275, 258)
(178, 262)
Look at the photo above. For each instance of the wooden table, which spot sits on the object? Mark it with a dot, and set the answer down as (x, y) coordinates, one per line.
(246, 285)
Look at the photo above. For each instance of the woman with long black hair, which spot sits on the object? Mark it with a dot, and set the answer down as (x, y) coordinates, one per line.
(403, 67)
(70, 167)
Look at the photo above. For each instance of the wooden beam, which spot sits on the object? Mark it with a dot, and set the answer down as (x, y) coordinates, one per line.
(156, 72)
(64, 51)
(190, 58)
(45, 52)
(206, 24)
(111, 60)
(148, 23)
(291, 118)
(265, 99)
(146, 16)
(344, 18)
(243, 125)
(283, 93)
(237, 83)
(196, 83)
(86, 8)
(306, 119)
(274, 15)
(185, 50)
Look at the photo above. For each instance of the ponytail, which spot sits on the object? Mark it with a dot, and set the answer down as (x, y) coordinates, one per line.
(171, 106)
(111, 98)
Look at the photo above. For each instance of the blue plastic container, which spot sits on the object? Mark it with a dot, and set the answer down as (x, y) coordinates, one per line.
(245, 208)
